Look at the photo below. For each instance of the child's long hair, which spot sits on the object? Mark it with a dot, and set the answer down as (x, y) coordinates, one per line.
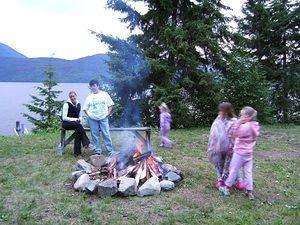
(164, 107)
(249, 111)
(227, 109)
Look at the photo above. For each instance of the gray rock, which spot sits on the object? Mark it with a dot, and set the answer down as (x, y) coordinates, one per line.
(81, 182)
(83, 165)
(92, 187)
(158, 159)
(77, 174)
(150, 187)
(172, 176)
(168, 167)
(97, 160)
(167, 185)
(107, 188)
(127, 186)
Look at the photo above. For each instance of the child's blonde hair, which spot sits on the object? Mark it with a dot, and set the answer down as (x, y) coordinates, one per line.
(164, 106)
(250, 112)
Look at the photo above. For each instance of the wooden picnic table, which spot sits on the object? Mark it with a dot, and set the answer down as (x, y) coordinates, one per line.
(135, 130)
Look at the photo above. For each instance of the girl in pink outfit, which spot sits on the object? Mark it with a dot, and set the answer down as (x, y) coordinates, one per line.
(220, 144)
(245, 132)
(165, 125)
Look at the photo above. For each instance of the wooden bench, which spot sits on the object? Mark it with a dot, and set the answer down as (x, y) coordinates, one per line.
(135, 130)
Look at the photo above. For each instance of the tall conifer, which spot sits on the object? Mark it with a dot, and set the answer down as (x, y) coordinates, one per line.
(45, 105)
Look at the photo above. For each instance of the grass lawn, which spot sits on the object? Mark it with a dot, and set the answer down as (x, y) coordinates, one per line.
(35, 185)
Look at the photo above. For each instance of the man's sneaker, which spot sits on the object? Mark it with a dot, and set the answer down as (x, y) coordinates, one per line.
(112, 153)
(96, 153)
(224, 190)
(91, 147)
(250, 195)
(240, 185)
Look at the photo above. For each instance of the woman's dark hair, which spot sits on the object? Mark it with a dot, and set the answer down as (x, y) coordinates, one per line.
(227, 109)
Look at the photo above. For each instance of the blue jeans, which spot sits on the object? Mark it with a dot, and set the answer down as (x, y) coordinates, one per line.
(96, 126)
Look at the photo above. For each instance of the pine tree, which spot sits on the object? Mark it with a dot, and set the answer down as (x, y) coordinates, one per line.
(45, 105)
(271, 34)
(245, 84)
(185, 44)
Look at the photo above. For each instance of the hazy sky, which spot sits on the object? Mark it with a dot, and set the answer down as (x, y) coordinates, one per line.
(40, 28)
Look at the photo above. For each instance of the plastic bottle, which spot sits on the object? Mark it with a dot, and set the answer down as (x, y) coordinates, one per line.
(59, 149)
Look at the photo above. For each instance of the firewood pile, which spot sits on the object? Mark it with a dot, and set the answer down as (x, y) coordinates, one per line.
(136, 171)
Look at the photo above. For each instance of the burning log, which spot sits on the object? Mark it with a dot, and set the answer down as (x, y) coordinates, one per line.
(152, 174)
(148, 174)
(136, 169)
(94, 174)
(141, 157)
(153, 166)
(115, 173)
(144, 172)
(138, 175)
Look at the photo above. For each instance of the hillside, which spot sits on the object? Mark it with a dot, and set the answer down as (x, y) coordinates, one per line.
(15, 68)
(6, 51)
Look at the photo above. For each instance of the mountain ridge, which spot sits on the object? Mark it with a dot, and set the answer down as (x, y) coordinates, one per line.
(23, 69)
(8, 52)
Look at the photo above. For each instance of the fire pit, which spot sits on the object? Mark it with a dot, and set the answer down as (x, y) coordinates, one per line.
(136, 171)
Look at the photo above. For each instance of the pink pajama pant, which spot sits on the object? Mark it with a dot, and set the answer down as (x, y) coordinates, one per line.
(165, 141)
(237, 162)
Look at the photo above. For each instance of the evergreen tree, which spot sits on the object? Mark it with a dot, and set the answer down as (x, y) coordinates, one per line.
(245, 84)
(185, 44)
(271, 34)
(45, 105)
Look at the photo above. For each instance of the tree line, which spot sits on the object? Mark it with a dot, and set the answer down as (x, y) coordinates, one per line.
(191, 55)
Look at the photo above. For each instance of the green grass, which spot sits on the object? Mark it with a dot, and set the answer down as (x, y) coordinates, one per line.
(35, 185)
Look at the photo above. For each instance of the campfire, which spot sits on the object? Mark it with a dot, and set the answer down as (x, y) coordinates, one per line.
(136, 171)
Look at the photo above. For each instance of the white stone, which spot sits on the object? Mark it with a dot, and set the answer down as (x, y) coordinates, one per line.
(150, 187)
(81, 182)
(127, 186)
(97, 160)
(167, 185)
(92, 187)
(83, 165)
(107, 188)
(77, 174)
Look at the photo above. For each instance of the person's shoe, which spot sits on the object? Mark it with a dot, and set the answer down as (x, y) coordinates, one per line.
(96, 153)
(250, 195)
(161, 145)
(91, 147)
(219, 183)
(240, 185)
(224, 190)
(112, 153)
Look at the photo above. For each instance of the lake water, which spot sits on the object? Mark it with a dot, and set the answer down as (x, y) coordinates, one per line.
(14, 94)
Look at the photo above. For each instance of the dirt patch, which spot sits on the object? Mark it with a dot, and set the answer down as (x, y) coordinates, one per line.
(275, 155)
(194, 196)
